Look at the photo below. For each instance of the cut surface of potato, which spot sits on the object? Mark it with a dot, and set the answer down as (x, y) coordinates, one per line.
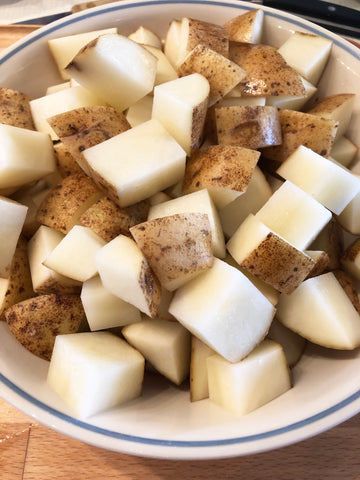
(165, 72)
(64, 204)
(15, 109)
(349, 218)
(249, 126)
(65, 162)
(269, 256)
(343, 151)
(108, 220)
(330, 184)
(292, 343)
(141, 111)
(320, 311)
(222, 74)
(330, 240)
(37, 321)
(294, 215)
(166, 345)
(243, 386)
(348, 284)
(180, 106)
(94, 371)
(115, 68)
(199, 387)
(290, 102)
(246, 28)
(26, 156)
(146, 37)
(350, 259)
(177, 247)
(44, 279)
(12, 216)
(219, 301)
(74, 256)
(267, 72)
(307, 53)
(124, 272)
(103, 309)
(196, 202)
(150, 160)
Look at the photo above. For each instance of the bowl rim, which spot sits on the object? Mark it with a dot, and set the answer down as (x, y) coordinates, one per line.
(176, 449)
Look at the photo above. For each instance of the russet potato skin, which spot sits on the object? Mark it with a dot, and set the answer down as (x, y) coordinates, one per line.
(36, 322)
(15, 109)
(209, 34)
(243, 28)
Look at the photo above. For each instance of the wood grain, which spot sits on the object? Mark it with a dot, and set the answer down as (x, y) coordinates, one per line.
(30, 451)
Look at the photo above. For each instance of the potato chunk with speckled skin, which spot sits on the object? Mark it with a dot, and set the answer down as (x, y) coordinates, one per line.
(15, 109)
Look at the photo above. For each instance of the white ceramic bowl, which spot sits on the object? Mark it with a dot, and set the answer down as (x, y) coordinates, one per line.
(163, 423)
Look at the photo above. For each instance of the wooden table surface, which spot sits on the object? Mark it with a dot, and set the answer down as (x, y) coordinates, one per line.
(31, 451)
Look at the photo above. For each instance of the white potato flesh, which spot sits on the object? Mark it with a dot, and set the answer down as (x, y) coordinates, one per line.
(57, 88)
(103, 309)
(12, 215)
(180, 106)
(330, 184)
(166, 345)
(63, 49)
(293, 103)
(172, 42)
(232, 99)
(292, 343)
(137, 163)
(294, 215)
(256, 195)
(25, 155)
(224, 309)
(44, 279)
(350, 259)
(165, 72)
(199, 387)
(141, 111)
(48, 106)
(254, 381)
(320, 311)
(343, 151)
(349, 218)
(116, 69)
(307, 53)
(146, 37)
(74, 256)
(197, 202)
(124, 272)
(94, 371)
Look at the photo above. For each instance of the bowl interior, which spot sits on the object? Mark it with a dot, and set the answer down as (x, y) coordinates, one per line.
(163, 423)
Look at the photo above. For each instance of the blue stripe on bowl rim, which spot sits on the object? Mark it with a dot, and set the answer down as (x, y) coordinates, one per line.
(153, 441)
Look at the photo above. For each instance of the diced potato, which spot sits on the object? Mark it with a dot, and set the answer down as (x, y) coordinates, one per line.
(57, 88)
(146, 37)
(180, 106)
(349, 218)
(243, 386)
(330, 184)
(166, 345)
(141, 111)
(36, 322)
(65, 162)
(222, 74)
(177, 247)
(44, 279)
(343, 151)
(12, 216)
(26, 156)
(15, 109)
(267, 72)
(197, 202)
(320, 311)
(63, 206)
(219, 301)
(350, 259)
(294, 215)
(307, 53)
(246, 28)
(94, 371)
(321, 260)
(165, 72)
(330, 240)
(269, 256)
(290, 102)
(115, 68)
(292, 343)
(248, 126)
(199, 387)
(153, 159)
(347, 282)
(124, 272)
(103, 309)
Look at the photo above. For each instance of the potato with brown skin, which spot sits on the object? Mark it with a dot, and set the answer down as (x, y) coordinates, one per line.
(225, 170)
(298, 128)
(108, 220)
(66, 202)
(15, 109)
(85, 127)
(321, 260)
(65, 162)
(178, 247)
(246, 28)
(267, 72)
(331, 241)
(36, 322)
(249, 126)
(18, 286)
(222, 74)
(350, 259)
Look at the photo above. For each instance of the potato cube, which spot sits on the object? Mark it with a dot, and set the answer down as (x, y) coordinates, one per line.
(199, 387)
(94, 371)
(145, 36)
(246, 28)
(15, 109)
(350, 259)
(349, 218)
(292, 343)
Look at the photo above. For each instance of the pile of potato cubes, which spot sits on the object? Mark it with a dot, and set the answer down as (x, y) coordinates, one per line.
(180, 202)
